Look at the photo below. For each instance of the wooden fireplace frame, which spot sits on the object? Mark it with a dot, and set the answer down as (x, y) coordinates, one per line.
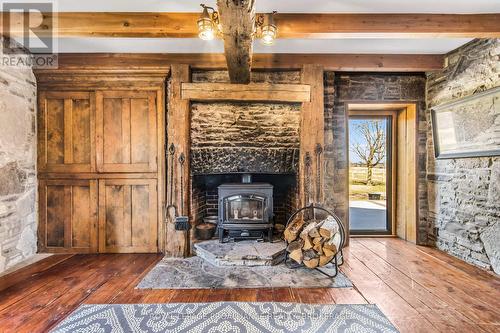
(180, 94)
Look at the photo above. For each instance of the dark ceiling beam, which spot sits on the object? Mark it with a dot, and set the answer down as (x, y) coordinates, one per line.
(237, 18)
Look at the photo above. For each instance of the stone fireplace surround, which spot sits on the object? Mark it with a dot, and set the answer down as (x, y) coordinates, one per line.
(231, 138)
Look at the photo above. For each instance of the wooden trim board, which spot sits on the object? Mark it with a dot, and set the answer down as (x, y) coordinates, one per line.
(105, 64)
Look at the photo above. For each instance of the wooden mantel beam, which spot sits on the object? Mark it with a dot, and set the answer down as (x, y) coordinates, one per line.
(183, 25)
(237, 18)
(255, 92)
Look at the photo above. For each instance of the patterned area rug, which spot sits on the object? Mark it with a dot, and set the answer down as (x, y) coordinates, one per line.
(196, 273)
(226, 317)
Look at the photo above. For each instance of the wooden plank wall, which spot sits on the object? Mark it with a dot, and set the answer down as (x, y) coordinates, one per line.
(100, 155)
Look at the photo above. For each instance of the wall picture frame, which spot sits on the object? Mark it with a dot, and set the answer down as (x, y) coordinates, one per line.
(467, 127)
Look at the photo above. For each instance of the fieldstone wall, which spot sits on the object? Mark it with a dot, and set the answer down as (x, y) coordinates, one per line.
(290, 77)
(341, 88)
(245, 137)
(18, 226)
(464, 194)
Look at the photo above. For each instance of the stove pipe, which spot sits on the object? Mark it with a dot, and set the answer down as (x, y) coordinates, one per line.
(246, 178)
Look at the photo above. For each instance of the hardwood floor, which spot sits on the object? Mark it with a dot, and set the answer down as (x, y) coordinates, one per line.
(419, 289)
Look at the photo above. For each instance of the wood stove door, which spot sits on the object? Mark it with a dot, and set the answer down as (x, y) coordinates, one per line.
(245, 208)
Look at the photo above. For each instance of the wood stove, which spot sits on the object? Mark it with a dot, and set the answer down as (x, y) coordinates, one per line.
(245, 210)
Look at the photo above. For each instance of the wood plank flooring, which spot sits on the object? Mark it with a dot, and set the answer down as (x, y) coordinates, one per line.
(419, 289)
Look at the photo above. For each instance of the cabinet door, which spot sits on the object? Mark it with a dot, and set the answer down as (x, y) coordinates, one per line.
(126, 131)
(128, 215)
(68, 216)
(66, 132)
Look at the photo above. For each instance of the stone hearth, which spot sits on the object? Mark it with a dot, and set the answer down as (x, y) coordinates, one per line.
(244, 253)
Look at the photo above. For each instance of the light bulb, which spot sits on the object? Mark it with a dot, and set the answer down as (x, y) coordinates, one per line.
(207, 34)
(269, 31)
(268, 35)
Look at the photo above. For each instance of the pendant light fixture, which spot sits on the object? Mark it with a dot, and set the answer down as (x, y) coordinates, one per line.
(208, 23)
(268, 30)
(209, 26)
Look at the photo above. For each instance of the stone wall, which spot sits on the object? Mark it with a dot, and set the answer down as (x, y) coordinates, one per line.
(245, 137)
(464, 194)
(18, 227)
(341, 88)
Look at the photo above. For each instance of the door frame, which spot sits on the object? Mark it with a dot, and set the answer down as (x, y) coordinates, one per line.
(391, 169)
(405, 224)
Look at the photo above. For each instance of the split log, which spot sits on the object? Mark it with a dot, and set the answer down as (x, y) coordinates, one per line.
(327, 252)
(307, 229)
(333, 243)
(293, 230)
(318, 248)
(329, 227)
(310, 254)
(313, 232)
(311, 259)
(317, 240)
(295, 245)
(323, 260)
(308, 244)
(297, 255)
(311, 263)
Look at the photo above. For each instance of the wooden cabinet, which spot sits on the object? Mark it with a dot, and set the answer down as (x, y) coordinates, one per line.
(66, 132)
(128, 215)
(68, 215)
(100, 136)
(126, 131)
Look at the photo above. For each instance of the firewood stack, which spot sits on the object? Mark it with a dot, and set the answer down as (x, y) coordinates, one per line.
(313, 243)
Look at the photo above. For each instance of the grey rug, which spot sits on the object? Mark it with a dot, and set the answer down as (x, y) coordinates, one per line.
(196, 273)
(226, 317)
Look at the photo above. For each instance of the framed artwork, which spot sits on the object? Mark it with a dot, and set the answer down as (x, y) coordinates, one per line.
(468, 127)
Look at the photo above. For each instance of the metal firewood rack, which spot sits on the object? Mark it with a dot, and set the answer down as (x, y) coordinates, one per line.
(338, 258)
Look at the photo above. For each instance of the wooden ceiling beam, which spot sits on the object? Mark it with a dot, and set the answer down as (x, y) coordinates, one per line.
(330, 62)
(183, 25)
(391, 25)
(237, 18)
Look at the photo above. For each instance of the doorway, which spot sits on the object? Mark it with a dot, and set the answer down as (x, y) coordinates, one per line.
(371, 177)
(401, 195)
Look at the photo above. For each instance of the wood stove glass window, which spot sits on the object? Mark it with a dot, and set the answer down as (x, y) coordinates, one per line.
(244, 208)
